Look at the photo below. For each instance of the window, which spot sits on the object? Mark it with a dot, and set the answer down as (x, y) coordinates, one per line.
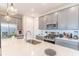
(8, 30)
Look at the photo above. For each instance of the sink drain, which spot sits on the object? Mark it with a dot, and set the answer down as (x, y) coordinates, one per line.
(50, 52)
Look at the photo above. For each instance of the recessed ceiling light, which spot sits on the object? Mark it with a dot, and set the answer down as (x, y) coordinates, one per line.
(56, 13)
(32, 15)
(32, 9)
(72, 8)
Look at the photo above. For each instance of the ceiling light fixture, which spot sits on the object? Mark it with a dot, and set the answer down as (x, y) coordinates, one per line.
(32, 9)
(11, 10)
(72, 8)
(56, 13)
(7, 17)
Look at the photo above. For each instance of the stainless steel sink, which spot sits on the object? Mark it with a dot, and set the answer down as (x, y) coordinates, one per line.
(35, 42)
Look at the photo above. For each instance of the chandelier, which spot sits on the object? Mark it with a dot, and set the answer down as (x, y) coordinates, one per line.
(11, 9)
(10, 12)
(7, 17)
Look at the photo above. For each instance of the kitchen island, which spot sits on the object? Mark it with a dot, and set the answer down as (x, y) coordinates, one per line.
(15, 47)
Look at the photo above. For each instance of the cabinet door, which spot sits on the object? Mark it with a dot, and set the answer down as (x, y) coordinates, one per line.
(52, 18)
(68, 18)
(46, 21)
(42, 23)
(47, 17)
(72, 21)
(62, 17)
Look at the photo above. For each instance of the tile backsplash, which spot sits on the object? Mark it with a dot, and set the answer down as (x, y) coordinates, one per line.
(74, 32)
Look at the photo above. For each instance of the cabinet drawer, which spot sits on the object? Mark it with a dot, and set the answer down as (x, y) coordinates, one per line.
(69, 44)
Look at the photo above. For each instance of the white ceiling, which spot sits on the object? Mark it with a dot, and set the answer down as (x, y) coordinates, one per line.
(35, 8)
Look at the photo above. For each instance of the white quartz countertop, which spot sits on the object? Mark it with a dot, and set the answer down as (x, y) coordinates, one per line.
(19, 47)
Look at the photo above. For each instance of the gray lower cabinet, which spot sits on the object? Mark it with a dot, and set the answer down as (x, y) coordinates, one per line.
(40, 37)
(67, 43)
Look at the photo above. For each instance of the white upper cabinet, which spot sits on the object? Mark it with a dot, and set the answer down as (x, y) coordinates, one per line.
(68, 18)
(72, 22)
(52, 18)
(47, 19)
(62, 18)
(41, 22)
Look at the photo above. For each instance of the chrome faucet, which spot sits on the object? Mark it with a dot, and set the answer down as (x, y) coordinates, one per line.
(28, 32)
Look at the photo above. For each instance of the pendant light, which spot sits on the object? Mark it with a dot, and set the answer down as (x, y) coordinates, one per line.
(11, 9)
(7, 16)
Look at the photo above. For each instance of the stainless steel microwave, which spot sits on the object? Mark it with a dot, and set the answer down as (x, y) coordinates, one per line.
(51, 26)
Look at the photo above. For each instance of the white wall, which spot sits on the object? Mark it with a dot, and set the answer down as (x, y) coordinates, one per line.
(36, 26)
(30, 24)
